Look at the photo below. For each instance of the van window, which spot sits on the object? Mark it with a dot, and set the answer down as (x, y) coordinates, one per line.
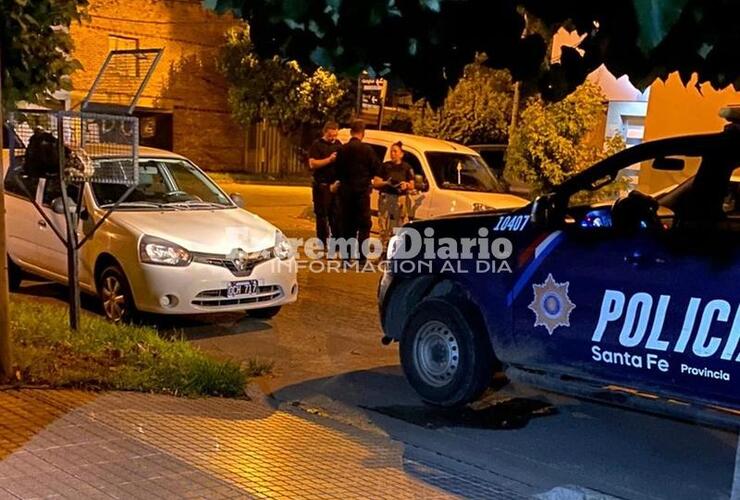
(463, 172)
(15, 182)
(414, 162)
(379, 151)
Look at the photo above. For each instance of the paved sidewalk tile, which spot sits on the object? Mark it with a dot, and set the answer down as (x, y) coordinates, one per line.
(128, 445)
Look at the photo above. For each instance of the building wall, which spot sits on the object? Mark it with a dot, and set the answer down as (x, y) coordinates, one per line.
(625, 102)
(185, 83)
(675, 109)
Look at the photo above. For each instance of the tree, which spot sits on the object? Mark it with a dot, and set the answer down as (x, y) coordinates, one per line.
(278, 90)
(476, 111)
(36, 48)
(556, 140)
(426, 43)
(34, 62)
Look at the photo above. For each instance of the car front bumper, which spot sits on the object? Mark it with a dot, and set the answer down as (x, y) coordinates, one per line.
(202, 288)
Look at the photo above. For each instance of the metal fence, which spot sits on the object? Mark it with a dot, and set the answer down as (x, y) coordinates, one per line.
(268, 151)
(96, 147)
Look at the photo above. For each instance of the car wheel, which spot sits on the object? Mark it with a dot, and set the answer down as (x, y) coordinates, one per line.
(115, 295)
(266, 313)
(15, 275)
(446, 359)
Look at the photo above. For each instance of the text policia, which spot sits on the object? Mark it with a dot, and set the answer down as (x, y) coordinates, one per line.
(708, 328)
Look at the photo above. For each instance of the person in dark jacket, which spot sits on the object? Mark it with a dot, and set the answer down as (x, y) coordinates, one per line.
(357, 165)
(321, 161)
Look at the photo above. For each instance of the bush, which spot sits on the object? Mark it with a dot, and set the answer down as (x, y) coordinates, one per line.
(556, 140)
(103, 355)
(476, 111)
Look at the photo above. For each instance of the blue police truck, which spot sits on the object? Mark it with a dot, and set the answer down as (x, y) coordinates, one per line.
(595, 289)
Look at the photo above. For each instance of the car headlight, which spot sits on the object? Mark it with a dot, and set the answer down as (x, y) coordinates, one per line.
(283, 249)
(162, 252)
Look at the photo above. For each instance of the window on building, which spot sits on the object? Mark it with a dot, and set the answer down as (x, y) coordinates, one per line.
(633, 129)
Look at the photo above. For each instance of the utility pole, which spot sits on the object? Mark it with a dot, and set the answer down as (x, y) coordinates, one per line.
(516, 100)
(6, 360)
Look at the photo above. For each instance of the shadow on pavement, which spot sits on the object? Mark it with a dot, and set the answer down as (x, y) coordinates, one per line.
(623, 452)
(385, 391)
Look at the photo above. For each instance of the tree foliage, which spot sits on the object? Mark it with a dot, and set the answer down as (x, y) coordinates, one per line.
(426, 43)
(36, 47)
(278, 90)
(476, 111)
(556, 140)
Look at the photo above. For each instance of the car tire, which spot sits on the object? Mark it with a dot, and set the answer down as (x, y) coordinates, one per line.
(115, 295)
(447, 358)
(15, 275)
(266, 313)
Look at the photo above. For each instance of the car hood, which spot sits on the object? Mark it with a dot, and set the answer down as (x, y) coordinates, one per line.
(207, 231)
(467, 201)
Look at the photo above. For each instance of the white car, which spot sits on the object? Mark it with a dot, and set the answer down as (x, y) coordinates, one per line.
(449, 177)
(177, 245)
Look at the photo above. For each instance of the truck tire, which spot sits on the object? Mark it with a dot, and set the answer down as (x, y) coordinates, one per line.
(447, 360)
(15, 275)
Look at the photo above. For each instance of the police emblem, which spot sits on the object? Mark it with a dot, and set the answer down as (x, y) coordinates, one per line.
(551, 304)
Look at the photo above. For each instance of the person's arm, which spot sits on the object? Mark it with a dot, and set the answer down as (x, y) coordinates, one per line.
(379, 181)
(315, 164)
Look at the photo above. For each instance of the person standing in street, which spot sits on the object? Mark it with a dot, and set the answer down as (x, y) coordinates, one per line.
(322, 158)
(357, 166)
(394, 181)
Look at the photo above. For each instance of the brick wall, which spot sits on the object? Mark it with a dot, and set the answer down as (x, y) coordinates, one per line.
(186, 82)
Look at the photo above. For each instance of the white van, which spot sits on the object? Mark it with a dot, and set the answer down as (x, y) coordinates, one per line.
(450, 178)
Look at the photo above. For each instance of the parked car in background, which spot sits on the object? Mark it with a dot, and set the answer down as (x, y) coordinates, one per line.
(495, 157)
(449, 177)
(176, 245)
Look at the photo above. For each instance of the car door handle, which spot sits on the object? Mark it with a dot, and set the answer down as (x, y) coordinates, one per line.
(42, 223)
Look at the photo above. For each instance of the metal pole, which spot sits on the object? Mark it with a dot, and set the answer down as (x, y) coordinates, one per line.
(73, 273)
(6, 358)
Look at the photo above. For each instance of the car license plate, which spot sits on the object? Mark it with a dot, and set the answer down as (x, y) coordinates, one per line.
(240, 288)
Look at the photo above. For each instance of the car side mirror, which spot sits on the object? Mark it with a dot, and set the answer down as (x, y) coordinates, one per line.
(420, 183)
(669, 164)
(57, 206)
(237, 199)
(542, 211)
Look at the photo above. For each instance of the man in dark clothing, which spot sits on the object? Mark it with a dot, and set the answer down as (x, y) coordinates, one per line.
(321, 161)
(357, 165)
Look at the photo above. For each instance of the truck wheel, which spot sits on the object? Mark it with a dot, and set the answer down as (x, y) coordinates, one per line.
(15, 275)
(115, 295)
(266, 313)
(446, 359)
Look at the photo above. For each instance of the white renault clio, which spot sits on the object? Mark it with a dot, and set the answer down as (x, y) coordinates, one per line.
(177, 245)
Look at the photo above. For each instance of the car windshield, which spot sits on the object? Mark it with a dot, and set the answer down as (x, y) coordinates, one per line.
(462, 172)
(165, 183)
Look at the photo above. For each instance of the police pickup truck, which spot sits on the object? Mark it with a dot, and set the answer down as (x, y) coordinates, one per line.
(592, 289)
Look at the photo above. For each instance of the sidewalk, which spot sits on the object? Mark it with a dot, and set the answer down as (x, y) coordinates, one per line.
(127, 445)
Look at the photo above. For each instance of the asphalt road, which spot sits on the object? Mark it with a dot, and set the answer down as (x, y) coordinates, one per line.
(329, 360)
